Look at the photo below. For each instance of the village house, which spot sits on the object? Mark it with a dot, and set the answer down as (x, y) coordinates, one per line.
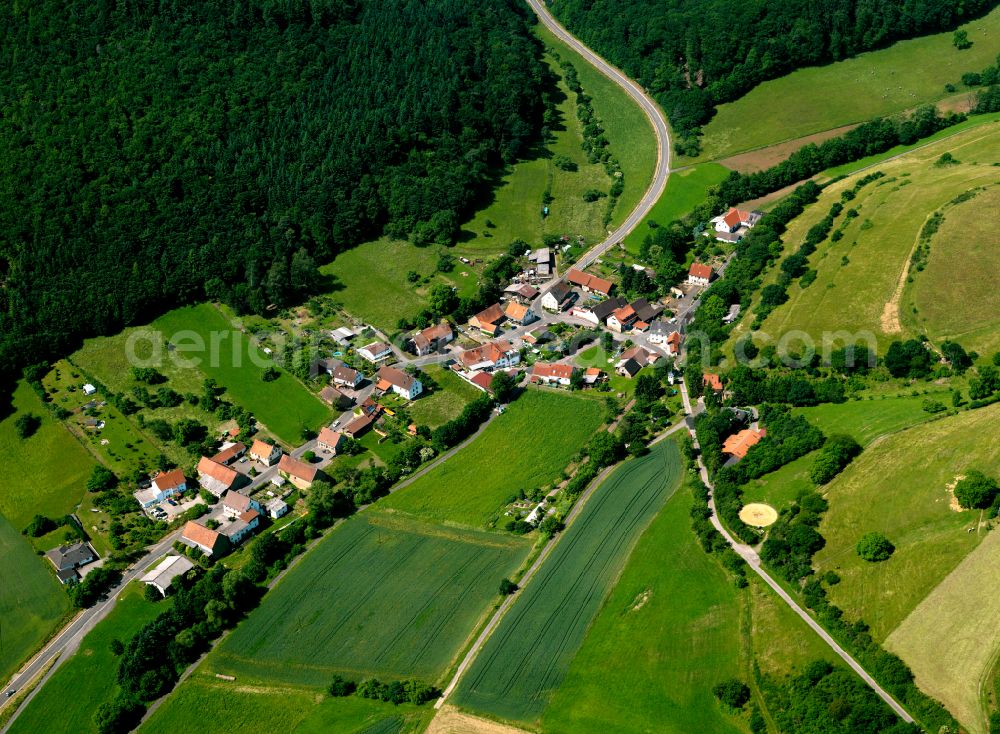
(645, 310)
(208, 541)
(403, 384)
(164, 485)
(265, 453)
(735, 222)
(700, 274)
(589, 283)
(330, 440)
(552, 374)
(622, 319)
(558, 297)
(712, 381)
(488, 320)
(673, 344)
(276, 507)
(482, 380)
(376, 351)
(229, 452)
(495, 355)
(359, 426)
(217, 478)
(241, 527)
(522, 292)
(343, 376)
(334, 397)
(235, 504)
(298, 472)
(599, 312)
(67, 558)
(737, 445)
(432, 338)
(632, 360)
(343, 335)
(593, 376)
(519, 313)
(162, 576)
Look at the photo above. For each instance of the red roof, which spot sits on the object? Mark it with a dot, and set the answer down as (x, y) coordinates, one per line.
(299, 469)
(556, 371)
(698, 270)
(491, 315)
(217, 471)
(591, 282)
(674, 339)
(170, 479)
(229, 453)
(249, 516)
(712, 380)
(624, 314)
(739, 443)
(261, 448)
(200, 534)
(482, 380)
(330, 437)
(732, 218)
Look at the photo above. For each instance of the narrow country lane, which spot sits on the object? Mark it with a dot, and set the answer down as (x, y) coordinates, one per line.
(648, 106)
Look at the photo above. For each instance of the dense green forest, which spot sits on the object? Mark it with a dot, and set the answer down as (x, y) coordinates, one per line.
(695, 54)
(155, 153)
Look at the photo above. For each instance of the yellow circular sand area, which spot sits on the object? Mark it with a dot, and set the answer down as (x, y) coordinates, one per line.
(758, 514)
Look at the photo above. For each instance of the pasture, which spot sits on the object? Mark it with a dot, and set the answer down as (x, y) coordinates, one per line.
(380, 596)
(526, 447)
(814, 99)
(67, 702)
(202, 702)
(668, 632)
(32, 601)
(951, 639)
(685, 190)
(202, 335)
(860, 279)
(526, 659)
(899, 487)
(44, 474)
(951, 298)
(446, 402)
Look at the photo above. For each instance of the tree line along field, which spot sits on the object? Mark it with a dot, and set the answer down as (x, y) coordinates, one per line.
(525, 660)
(814, 99)
(526, 447)
(67, 702)
(45, 473)
(860, 278)
(381, 596)
(962, 251)
(900, 487)
(203, 702)
(285, 406)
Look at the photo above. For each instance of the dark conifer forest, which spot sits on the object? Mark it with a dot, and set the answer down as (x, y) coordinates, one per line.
(157, 153)
(695, 54)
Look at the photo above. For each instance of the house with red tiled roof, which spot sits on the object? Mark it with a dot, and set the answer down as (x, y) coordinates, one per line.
(551, 374)
(264, 452)
(632, 360)
(712, 381)
(208, 541)
(700, 274)
(519, 313)
(298, 472)
(737, 445)
(229, 453)
(589, 283)
(217, 478)
(593, 375)
(622, 319)
(495, 355)
(488, 320)
(359, 426)
(234, 504)
(241, 526)
(376, 351)
(403, 384)
(330, 440)
(433, 337)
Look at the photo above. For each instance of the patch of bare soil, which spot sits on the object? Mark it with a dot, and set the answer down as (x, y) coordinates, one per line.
(450, 720)
(952, 502)
(772, 155)
(640, 601)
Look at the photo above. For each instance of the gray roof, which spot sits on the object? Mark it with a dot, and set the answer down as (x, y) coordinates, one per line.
(167, 570)
(645, 310)
(71, 556)
(560, 291)
(661, 328)
(606, 307)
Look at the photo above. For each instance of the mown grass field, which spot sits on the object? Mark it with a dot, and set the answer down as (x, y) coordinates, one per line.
(860, 279)
(951, 638)
(951, 298)
(528, 655)
(68, 700)
(883, 82)
(595, 356)
(668, 632)
(446, 402)
(44, 474)
(205, 703)
(685, 190)
(899, 486)
(285, 406)
(526, 447)
(381, 596)
(31, 599)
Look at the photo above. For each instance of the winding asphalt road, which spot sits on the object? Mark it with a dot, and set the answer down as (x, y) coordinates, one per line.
(649, 107)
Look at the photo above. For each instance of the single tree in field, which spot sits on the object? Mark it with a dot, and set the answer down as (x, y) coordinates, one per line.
(976, 490)
(732, 693)
(507, 587)
(874, 547)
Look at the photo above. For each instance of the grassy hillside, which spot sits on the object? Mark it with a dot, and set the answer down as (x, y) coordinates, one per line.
(525, 448)
(285, 406)
(860, 280)
(951, 298)
(899, 486)
(67, 702)
(524, 661)
(379, 597)
(815, 99)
